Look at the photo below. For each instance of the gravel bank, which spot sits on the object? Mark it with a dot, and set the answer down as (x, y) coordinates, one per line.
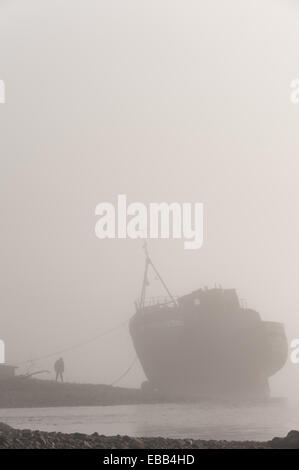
(11, 438)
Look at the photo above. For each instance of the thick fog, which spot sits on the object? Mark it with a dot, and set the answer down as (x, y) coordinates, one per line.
(162, 101)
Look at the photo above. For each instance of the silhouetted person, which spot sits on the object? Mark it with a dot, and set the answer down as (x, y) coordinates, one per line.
(59, 369)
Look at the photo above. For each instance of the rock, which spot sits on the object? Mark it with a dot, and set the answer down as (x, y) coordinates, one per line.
(291, 441)
(86, 444)
(5, 427)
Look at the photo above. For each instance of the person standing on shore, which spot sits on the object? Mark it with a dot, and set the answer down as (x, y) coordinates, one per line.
(59, 369)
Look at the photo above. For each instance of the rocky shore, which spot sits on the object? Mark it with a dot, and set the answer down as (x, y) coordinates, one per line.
(11, 438)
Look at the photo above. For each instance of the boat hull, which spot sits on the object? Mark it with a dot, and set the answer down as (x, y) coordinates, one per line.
(190, 352)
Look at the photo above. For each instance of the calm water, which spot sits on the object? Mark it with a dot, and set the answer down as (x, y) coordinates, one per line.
(167, 420)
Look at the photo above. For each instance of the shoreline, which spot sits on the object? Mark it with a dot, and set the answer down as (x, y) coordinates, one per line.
(11, 438)
(35, 393)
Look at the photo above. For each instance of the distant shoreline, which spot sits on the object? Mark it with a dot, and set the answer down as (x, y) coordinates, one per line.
(35, 393)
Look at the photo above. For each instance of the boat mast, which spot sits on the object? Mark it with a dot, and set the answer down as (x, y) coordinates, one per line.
(148, 262)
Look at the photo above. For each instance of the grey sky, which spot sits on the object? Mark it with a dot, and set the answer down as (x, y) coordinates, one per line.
(162, 101)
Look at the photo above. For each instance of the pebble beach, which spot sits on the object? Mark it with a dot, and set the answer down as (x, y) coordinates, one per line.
(11, 438)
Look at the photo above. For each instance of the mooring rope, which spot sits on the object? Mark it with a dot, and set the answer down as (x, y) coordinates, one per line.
(75, 346)
(125, 373)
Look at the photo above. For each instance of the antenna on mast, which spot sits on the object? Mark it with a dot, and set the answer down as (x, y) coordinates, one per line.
(148, 262)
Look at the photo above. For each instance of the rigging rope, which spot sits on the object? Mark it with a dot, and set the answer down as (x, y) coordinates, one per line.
(125, 373)
(78, 345)
(81, 344)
